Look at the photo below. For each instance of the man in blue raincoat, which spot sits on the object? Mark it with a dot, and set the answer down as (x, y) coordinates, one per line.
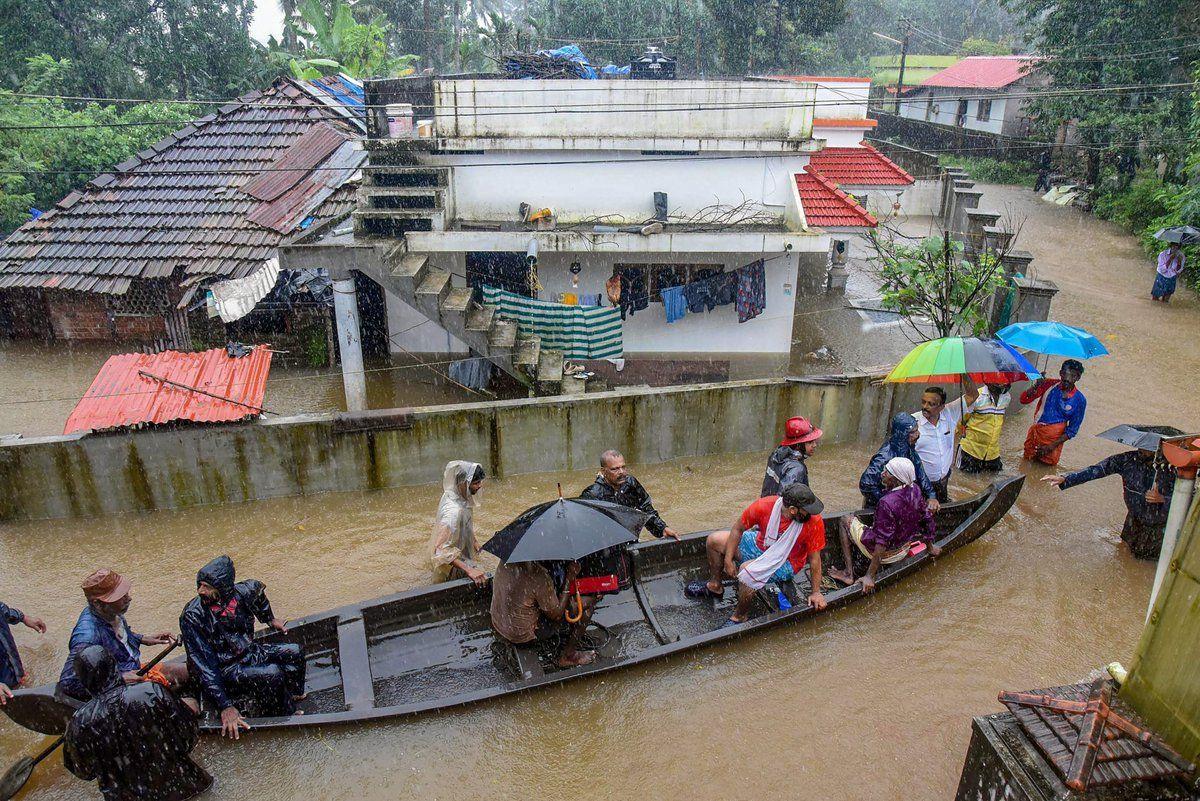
(12, 672)
(901, 439)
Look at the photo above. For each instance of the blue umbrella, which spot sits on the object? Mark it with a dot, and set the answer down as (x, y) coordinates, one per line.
(1056, 339)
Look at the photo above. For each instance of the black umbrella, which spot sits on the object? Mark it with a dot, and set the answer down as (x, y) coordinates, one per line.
(1140, 436)
(565, 530)
(1183, 234)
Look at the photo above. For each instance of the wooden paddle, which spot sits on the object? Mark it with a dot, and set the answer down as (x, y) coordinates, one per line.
(16, 776)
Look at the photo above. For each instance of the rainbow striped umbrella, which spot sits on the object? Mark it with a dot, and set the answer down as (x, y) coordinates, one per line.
(947, 360)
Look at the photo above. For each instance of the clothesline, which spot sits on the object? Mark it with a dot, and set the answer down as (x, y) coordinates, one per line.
(745, 287)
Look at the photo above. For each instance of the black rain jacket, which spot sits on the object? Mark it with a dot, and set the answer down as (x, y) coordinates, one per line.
(135, 739)
(631, 494)
(213, 642)
(786, 466)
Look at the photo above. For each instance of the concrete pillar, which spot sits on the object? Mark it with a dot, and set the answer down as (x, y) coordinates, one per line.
(1033, 300)
(349, 330)
(964, 201)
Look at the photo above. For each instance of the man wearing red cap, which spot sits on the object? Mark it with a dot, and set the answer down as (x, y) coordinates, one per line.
(102, 622)
(786, 465)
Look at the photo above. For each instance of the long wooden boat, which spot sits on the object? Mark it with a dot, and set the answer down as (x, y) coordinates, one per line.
(433, 648)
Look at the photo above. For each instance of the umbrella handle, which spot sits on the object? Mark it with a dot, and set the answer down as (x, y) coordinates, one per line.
(579, 604)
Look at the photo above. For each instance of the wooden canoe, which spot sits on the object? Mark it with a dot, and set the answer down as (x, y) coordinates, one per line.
(434, 647)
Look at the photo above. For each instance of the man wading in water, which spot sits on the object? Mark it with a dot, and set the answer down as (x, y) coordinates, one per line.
(615, 485)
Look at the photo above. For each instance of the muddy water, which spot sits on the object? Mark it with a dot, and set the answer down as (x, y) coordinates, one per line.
(42, 383)
(871, 702)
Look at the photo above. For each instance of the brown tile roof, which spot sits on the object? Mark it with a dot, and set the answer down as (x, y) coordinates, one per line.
(182, 203)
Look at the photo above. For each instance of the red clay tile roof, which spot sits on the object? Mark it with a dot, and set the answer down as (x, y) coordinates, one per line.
(859, 166)
(121, 395)
(826, 206)
(182, 203)
(836, 122)
(981, 72)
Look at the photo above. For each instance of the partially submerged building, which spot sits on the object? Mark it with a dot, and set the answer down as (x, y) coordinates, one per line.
(192, 226)
(698, 212)
(978, 93)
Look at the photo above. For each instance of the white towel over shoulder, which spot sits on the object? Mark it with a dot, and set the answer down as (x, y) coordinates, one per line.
(757, 572)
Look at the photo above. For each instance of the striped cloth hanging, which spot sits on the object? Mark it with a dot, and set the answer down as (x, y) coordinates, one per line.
(580, 332)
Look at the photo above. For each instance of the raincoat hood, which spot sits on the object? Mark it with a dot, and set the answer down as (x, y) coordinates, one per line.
(219, 573)
(902, 425)
(457, 479)
(97, 670)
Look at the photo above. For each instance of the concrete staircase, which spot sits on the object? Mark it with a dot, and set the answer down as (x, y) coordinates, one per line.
(398, 194)
(410, 277)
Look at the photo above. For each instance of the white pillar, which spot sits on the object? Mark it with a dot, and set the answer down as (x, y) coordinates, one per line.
(1181, 499)
(349, 330)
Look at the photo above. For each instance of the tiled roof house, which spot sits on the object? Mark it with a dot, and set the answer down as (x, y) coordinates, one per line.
(120, 257)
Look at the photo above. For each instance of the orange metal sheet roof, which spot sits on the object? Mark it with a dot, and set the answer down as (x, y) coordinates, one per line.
(123, 394)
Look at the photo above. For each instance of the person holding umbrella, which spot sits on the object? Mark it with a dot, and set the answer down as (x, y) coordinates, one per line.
(1147, 483)
(1170, 265)
(526, 606)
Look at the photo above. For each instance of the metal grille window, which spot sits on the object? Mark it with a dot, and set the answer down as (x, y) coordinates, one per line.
(985, 111)
(664, 276)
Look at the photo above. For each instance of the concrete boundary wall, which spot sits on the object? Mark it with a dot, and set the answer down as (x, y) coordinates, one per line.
(175, 468)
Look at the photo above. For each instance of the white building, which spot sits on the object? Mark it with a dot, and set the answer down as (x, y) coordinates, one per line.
(979, 93)
(675, 180)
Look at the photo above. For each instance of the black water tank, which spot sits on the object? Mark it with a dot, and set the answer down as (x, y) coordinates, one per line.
(653, 65)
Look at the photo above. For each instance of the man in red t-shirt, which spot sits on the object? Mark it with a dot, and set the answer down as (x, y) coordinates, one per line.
(744, 552)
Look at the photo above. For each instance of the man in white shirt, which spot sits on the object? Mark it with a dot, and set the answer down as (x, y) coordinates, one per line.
(937, 421)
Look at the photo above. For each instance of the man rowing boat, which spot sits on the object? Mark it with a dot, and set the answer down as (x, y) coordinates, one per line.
(770, 540)
(135, 740)
(102, 622)
(225, 659)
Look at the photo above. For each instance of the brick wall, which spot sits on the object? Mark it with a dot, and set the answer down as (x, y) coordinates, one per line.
(84, 315)
(78, 315)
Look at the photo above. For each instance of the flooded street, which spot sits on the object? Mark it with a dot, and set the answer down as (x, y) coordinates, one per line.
(869, 702)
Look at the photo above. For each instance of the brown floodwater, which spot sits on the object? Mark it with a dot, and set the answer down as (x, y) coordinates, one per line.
(873, 701)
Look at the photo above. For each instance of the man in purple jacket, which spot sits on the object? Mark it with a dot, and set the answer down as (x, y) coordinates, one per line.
(902, 517)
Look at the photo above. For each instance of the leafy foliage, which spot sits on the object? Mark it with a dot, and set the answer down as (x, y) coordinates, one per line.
(39, 165)
(330, 40)
(1094, 44)
(933, 283)
(991, 170)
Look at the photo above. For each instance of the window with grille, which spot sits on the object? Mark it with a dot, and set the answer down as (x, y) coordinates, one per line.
(665, 276)
(985, 111)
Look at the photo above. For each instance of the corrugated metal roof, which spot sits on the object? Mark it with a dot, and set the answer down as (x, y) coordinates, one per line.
(180, 200)
(123, 394)
(826, 206)
(859, 166)
(306, 152)
(982, 72)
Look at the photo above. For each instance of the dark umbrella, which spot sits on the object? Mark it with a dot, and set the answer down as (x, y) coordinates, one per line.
(1140, 436)
(565, 530)
(1183, 234)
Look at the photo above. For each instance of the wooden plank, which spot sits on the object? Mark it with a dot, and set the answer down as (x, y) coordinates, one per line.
(647, 610)
(357, 683)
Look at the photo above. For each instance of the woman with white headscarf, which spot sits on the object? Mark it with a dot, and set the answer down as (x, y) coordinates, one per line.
(454, 547)
(902, 520)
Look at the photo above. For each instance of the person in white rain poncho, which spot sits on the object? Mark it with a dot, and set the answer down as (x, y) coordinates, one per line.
(454, 547)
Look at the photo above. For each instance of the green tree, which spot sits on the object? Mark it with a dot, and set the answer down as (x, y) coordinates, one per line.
(48, 148)
(1092, 45)
(131, 48)
(332, 40)
(934, 286)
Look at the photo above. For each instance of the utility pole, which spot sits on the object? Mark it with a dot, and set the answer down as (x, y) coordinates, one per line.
(907, 25)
